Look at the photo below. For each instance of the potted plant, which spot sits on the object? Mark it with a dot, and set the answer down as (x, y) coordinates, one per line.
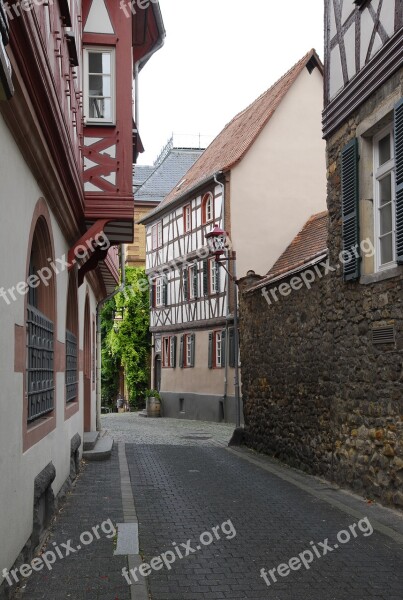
(153, 403)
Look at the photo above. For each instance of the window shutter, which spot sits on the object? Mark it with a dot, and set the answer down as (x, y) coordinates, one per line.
(218, 277)
(192, 349)
(165, 292)
(173, 351)
(185, 273)
(223, 347)
(210, 350)
(152, 294)
(195, 280)
(399, 179)
(350, 195)
(181, 352)
(231, 347)
(205, 277)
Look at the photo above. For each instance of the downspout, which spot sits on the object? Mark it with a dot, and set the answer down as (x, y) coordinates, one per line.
(99, 350)
(227, 296)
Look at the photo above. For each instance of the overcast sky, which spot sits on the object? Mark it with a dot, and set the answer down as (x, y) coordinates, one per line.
(218, 56)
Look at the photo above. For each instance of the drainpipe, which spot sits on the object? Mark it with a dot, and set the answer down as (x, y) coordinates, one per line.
(99, 308)
(227, 295)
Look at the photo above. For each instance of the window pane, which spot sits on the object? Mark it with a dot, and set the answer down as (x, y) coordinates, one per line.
(386, 249)
(384, 150)
(106, 63)
(385, 215)
(95, 62)
(385, 190)
(107, 108)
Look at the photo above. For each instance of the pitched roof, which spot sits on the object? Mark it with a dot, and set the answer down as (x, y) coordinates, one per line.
(141, 173)
(167, 174)
(309, 244)
(230, 146)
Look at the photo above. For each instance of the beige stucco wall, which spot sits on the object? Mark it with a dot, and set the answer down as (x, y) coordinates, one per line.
(281, 181)
(198, 379)
(19, 194)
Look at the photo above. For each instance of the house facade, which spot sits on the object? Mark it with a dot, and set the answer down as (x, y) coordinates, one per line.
(330, 401)
(66, 153)
(240, 183)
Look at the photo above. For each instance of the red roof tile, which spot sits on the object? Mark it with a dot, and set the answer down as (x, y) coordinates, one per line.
(310, 243)
(229, 147)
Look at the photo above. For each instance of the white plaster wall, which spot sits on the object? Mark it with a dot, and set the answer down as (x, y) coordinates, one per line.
(281, 181)
(18, 196)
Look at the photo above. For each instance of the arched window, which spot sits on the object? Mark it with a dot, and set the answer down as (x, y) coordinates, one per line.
(40, 325)
(72, 340)
(207, 208)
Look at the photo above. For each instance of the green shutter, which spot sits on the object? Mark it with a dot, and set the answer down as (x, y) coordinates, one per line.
(165, 292)
(231, 344)
(195, 280)
(205, 277)
(192, 349)
(218, 277)
(223, 347)
(185, 274)
(350, 214)
(181, 352)
(210, 350)
(173, 354)
(399, 179)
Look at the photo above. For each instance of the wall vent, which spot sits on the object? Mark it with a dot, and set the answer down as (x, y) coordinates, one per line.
(383, 335)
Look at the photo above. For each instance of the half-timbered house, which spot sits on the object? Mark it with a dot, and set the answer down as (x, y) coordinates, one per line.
(67, 142)
(260, 179)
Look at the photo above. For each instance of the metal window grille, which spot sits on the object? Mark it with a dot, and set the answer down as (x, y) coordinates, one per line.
(40, 384)
(71, 367)
(383, 335)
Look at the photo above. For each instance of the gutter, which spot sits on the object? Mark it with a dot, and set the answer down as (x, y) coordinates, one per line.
(100, 305)
(148, 218)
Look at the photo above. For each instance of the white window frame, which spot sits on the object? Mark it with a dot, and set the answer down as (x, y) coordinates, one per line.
(156, 235)
(213, 276)
(379, 174)
(218, 349)
(208, 208)
(187, 218)
(191, 287)
(171, 352)
(159, 292)
(98, 121)
(188, 350)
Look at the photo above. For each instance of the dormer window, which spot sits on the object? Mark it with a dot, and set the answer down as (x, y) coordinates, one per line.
(99, 72)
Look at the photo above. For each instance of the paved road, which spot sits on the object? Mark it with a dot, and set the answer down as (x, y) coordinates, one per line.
(184, 484)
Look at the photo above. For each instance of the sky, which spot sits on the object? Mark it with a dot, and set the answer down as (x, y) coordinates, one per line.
(218, 57)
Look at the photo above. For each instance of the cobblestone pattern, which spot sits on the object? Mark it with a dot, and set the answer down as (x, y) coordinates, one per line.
(92, 573)
(129, 427)
(181, 492)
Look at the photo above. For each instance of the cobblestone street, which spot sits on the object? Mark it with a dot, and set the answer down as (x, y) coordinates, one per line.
(232, 511)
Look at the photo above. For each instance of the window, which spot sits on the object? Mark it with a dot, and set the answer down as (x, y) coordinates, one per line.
(156, 233)
(214, 276)
(384, 199)
(187, 218)
(99, 70)
(216, 349)
(169, 352)
(187, 350)
(40, 329)
(207, 208)
(160, 292)
(71, 341)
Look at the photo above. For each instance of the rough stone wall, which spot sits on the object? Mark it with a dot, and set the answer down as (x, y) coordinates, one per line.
(317, 393)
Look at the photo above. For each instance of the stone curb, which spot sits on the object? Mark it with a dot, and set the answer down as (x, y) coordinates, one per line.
(138, 590)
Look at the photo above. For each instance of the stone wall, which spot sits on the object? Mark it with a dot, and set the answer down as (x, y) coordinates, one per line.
(318, 394)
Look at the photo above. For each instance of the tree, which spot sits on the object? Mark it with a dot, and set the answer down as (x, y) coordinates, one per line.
(129, 344)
